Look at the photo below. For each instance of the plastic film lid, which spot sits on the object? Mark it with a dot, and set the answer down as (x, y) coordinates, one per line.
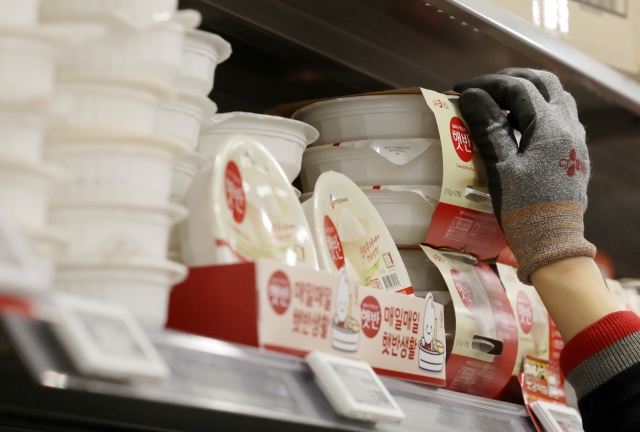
(350, 233)
(430, 194)
(256, 212)
(399, 151)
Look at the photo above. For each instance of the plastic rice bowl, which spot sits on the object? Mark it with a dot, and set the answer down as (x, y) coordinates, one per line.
(116, 233)
(365, 166)
(115, 168)
(370, 117)
(143, 286)
(285, 139)
(25, 190)
(349, 232)
(181, 117)
(203, 51)
(243, 208)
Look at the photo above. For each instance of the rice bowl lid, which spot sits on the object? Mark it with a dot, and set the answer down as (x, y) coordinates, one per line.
(372, 104)
(404, 193)
(350, 233)
(256, 212)
(398, 151)
(246, 122)
(201, 37)
(397, 193)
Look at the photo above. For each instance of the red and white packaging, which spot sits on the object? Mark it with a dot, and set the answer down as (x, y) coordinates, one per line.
(541, 380)
(464, 219)
(296, 310)
(481, 327)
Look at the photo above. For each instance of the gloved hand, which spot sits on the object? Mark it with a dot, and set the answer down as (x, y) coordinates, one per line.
(539, 187)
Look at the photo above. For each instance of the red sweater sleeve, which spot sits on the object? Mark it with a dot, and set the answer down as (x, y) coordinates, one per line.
(602, 363)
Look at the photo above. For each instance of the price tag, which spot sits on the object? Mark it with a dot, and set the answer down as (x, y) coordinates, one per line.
(353, 388)
(557, 418)
(106, 340)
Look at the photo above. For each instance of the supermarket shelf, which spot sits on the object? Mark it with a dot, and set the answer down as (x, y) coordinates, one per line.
(213, 383)
(402, 43)
(290, 50)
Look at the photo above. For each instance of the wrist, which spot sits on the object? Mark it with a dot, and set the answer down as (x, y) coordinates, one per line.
(574, 293)
(544, 233)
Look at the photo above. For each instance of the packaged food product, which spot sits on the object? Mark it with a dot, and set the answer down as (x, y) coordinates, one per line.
(202, 52)
(243, 208)
(405, 210)
(370, 117)
(285, 139)
(350, 233)
(415, 161)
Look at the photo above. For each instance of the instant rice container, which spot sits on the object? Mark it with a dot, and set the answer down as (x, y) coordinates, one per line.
(350, 233)
(202, 52)
(405, 210)
(370, 117)
(416, 161)
(243, 208)
(284, 138)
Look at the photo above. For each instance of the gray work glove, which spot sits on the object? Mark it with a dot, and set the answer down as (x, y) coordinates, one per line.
(539, 187)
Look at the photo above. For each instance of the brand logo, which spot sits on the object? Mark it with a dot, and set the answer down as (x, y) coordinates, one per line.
(234, 192)
(333, 200)
(525, 312)
(464, 290)
(279, 291)
(573, 164)
(333, 242)
(370, 316)
(461, 139)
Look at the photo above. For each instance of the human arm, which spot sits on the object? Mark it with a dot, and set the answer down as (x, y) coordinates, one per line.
(538, 189)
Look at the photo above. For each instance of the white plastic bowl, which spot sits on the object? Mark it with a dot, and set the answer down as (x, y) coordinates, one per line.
(175, 245)
(27, 67)
(182, 116)
(25, 189)
(142, 286)
(19, 13)
(424, 274)
(115, 168)
(121, 106)
(183, 173)
(127, 52)
(242, 208)
(364, 166)
(370, 117)
(22, 132)
(47, 246)
(116, 233)
(64, 9)
(202, 52)
(284, 138)
(406, 213)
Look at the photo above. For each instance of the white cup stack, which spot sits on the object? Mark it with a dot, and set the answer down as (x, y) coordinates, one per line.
(182, 116)
(115, 202)
(28, 53)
